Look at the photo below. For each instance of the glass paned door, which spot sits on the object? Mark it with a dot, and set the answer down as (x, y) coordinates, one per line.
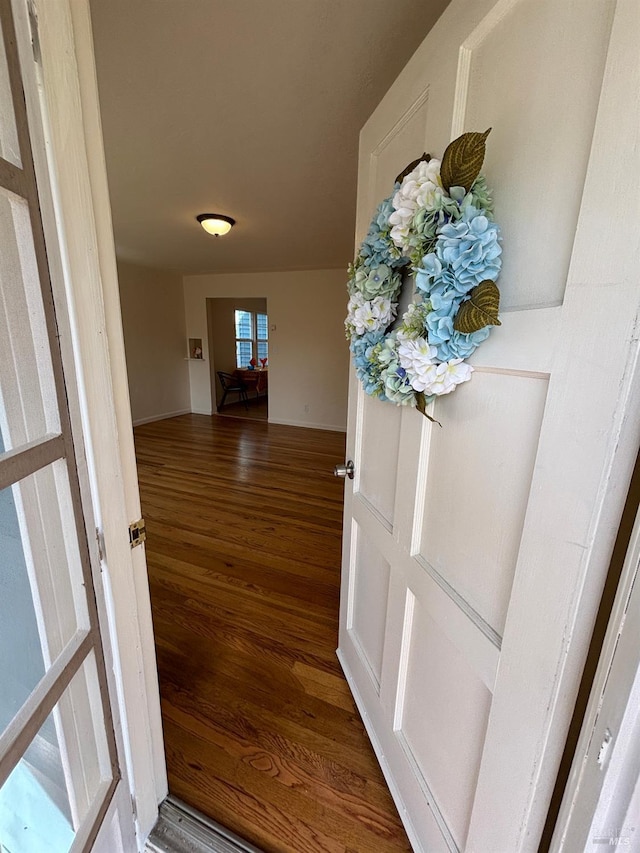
(42, 598)
(46, 797)
(58, 762)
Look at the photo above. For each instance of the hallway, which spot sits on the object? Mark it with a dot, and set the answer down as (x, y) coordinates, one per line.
(244, 528)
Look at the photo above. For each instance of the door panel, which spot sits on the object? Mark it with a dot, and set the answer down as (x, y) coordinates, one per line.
(370, 594)
(397, 146)
(472, 522)
(444, 729)
(490, 536)
(541, 134)
(377, 482)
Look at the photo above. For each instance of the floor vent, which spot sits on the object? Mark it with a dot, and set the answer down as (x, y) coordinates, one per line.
(181, 829)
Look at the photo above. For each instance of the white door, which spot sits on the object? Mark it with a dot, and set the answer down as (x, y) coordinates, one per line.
(474, 554)
(61, 783)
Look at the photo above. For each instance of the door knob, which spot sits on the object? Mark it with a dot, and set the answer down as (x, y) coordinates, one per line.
(345, 470)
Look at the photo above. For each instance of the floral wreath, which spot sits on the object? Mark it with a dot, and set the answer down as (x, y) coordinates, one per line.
(437, 224)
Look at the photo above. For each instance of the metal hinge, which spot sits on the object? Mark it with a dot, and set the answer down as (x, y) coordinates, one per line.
(137, 533)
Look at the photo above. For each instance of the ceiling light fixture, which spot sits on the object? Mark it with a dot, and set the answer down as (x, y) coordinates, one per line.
(216, 223)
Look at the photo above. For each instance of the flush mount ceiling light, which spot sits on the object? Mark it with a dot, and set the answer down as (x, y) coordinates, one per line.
(216, 223)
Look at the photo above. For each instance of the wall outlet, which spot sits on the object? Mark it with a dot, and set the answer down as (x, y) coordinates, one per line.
(306, 408)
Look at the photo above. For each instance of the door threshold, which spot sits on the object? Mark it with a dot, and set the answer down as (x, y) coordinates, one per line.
(182, 829)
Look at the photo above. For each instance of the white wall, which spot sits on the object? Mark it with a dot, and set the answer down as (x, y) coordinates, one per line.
(155, 342)
(308, 353)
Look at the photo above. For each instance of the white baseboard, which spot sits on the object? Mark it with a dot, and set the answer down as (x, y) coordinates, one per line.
(329, 427)
(162, 417)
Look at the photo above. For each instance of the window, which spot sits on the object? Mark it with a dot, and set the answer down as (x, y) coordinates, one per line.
(252, 337)
(262, 329)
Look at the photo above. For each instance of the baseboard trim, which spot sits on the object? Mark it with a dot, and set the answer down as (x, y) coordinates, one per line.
(182, 829)
(162, 417)
(328, 427)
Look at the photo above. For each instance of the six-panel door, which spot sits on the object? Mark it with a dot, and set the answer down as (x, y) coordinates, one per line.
(474, 553)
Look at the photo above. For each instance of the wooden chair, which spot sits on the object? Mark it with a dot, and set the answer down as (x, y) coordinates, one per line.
(232, 385)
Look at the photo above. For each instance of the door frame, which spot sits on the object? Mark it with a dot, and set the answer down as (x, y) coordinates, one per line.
(63, 108)
(81, 216)
(606, 765)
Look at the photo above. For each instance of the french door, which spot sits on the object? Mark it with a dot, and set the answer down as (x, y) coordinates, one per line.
(59, 770)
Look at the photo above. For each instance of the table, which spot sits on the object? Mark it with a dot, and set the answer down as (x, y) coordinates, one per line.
(256, 380)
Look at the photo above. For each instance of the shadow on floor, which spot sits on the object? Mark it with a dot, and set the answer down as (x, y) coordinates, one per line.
(257, 409)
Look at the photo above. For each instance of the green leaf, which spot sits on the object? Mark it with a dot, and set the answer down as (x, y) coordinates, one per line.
(463, 160)
(480, 310)
(403, 174)
(421, 402)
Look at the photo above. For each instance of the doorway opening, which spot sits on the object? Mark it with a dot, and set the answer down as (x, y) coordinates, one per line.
(238, 330)
(244, 530)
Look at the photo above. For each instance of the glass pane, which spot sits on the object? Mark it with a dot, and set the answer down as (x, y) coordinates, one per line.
(9, 148)
(244, 353)
(243, 324)
(262, 322)
(42, 598)
(28, 408)
(50, 791)
(263, 351)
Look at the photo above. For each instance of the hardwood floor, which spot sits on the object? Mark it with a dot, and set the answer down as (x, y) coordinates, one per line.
(244, 527)
(257, 409)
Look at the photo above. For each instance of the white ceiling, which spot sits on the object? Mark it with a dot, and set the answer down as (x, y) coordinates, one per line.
(251, 108)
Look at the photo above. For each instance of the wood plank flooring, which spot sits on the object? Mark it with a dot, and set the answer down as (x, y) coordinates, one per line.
(244, 526)
(257, 409)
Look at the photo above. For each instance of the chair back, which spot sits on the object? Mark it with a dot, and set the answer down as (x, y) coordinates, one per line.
(228, 380)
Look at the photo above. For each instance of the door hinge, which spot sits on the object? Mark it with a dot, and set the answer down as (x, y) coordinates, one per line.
(137, 533)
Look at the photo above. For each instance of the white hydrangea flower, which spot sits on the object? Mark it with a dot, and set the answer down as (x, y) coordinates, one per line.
(417, 358)
(369, 316)
(444, 377)
(418, 189)
(426, 373)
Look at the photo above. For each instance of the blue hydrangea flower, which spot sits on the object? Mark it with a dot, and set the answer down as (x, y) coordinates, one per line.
(378, 248)
(470, 248)
(444, 300)
(439, 329)
(433, 275)
(460, 345)
(363, 348)
(360, 344)
(397, 387)
(375, 281)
